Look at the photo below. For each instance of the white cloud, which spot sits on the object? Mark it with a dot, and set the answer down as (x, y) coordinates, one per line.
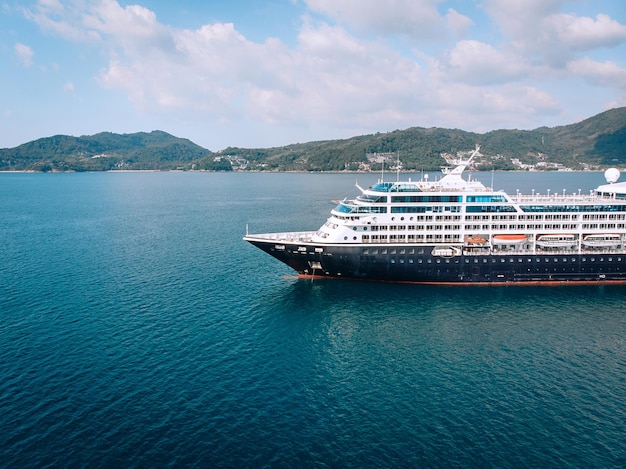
(53, 17)
(521, 20)
(538, 29)
(599, 73)
(459, 105)
(335, 77)
(458, 24)
(474, 62)
(418, 19)
(24, 54)
(585, 33)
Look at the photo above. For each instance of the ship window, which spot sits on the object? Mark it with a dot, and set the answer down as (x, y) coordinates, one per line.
(343, 208)
(382, 187)
(490, 208)
(486, 198)
(373, 198)
(419, 209)
(403, 187)
(426, 198)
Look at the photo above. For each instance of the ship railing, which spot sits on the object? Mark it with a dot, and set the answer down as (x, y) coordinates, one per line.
(544, 252)
(558, 197)
(289, 236)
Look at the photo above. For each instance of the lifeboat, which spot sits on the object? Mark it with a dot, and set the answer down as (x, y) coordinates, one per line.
(509, 239)
(475, 240)
(556, 240)
(602, 240)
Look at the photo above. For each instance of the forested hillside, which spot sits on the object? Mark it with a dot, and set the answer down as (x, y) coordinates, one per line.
(104, 151)
(596, 142)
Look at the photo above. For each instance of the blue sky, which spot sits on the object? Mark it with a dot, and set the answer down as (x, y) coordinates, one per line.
(273, 72)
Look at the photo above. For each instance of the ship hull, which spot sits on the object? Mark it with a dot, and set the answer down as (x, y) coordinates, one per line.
(428, 264)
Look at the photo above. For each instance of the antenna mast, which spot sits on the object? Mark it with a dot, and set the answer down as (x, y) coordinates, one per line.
(397, 166)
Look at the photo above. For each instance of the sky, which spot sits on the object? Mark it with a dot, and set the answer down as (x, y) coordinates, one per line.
(267, 73)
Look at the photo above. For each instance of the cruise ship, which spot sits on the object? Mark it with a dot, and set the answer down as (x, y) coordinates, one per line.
(457, 231)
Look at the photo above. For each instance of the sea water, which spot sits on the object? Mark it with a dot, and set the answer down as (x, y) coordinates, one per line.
(137, 329)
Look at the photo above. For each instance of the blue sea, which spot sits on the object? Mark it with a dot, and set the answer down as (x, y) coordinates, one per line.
(138, 329)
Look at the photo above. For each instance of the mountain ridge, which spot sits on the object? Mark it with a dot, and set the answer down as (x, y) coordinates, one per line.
(595, 142)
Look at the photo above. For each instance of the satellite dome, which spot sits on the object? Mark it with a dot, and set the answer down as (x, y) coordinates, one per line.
(612, 175)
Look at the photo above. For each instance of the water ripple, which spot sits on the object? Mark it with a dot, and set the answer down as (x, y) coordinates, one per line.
(139, 330)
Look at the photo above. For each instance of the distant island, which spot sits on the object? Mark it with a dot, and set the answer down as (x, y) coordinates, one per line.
(595, 143)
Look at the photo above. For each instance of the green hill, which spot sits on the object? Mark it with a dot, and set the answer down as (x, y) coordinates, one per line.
(103, 151)
(594, 142)
(599, 141)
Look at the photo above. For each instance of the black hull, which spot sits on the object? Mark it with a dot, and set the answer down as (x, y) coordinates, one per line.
(417, 264)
